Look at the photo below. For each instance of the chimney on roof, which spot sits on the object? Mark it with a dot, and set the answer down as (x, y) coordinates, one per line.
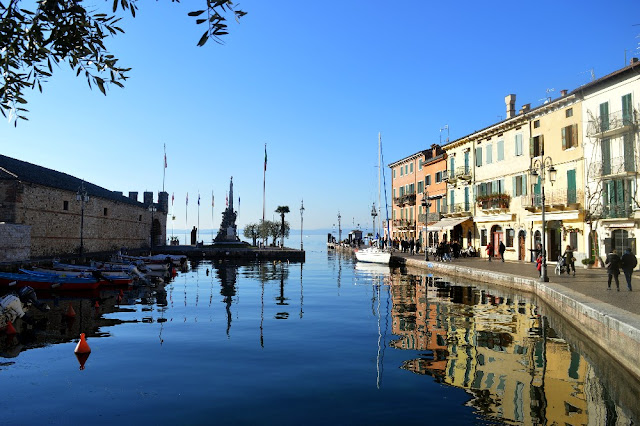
(633, 61)
(525, 108)
(563, 92)
(510, 100)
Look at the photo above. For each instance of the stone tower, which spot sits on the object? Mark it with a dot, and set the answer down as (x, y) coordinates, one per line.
(228, 228)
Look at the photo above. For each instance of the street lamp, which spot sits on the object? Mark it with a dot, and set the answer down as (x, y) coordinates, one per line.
(426, 203)
(301, 211)
(83, 197)
(152, 209)
(374, 213)
(539, 169)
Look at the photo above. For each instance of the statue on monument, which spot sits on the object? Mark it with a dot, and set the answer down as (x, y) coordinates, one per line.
(228, 231)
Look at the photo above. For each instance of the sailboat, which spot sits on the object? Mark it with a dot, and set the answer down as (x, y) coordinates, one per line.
(375, 254)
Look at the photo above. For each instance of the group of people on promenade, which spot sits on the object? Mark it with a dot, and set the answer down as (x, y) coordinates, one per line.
(614, 263)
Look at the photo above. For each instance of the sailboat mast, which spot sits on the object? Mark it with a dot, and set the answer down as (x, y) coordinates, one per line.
(379, 170)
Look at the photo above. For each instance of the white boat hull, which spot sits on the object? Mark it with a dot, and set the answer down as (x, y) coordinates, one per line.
(373, 255)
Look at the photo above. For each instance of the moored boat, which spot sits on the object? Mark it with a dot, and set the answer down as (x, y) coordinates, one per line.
(113, 277)
(373, 255)
(49, 282)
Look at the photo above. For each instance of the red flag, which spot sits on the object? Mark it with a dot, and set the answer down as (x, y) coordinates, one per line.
(172, 197)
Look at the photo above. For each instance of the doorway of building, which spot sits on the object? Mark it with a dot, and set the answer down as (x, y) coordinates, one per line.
(521, 246)
(496, 237)
(555, 240)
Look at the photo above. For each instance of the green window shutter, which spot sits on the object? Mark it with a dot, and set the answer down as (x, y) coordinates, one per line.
(514, 191)
(466, 162)
(466, 198)
(627, 109)
(571, 186)
(500, 150)
(629, 157)
(574, 135)
(532, 152)
(564, 138)
(605, 147)
(524, 184)
(604, 116)
(489, 156)
(478, 157)
(541, 145)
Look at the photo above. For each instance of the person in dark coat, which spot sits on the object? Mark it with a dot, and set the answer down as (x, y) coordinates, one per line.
(569, 260)
(629, 262)
(501, 249)
(613, 268)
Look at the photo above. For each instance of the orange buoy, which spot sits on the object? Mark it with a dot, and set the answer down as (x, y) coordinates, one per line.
(82, 358)
(70, 312)
(10, 330)
(83, 346)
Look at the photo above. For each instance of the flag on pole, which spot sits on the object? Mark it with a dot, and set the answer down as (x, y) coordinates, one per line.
(165, 160)
(187, 198)
(172, 197)
(198, 199)
(212, 204)
(226, 198)
(265, 157)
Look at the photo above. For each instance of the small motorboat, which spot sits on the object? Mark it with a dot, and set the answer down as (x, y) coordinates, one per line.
(49, 282)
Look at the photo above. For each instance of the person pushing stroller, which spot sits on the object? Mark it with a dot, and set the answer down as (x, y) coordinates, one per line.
(569, 260)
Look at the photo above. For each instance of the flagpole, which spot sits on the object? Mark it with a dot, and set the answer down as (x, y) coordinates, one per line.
(164, 170)
(198, 216)
(212, 216)
(264, 181)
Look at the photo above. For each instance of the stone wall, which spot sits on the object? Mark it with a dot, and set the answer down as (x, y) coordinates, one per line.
(15, 242)
(55, 217)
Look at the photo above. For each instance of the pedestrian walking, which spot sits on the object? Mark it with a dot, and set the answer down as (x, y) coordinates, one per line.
(412, 245)
(418, 246)
(502, 249)
(629, 262)
(613, 268)
(490, 250)
(569, 260)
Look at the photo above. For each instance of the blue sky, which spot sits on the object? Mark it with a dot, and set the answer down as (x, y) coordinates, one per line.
(316, 81)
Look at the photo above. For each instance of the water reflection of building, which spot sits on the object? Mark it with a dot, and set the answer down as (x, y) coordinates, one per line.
(499, 350)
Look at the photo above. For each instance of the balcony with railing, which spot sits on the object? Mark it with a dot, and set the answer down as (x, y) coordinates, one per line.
(463, 172)
(433, 217)
(616, 211)
(612, 124)
(458, 209)
(404, 224)
(493, 202)
(617, 166)
(405, 199)
(559, 199)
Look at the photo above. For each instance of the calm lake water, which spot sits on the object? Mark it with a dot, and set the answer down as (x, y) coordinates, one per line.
(325, 342)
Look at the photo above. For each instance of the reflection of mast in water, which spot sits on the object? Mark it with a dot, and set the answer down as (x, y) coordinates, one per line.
(262, 314)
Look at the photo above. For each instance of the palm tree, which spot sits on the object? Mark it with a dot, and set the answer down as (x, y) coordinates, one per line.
(282, 210)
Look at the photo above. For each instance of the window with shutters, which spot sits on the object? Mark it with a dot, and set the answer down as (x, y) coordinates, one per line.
(536, 124)
(518, 148)
(627, 110)
(420, 165)
(510, 237)
(568, 112)
(500, 148)
(427, 180)
(394, 173)
(401, 171)
(569, 136)
(520, 185)
(479, 157)
(604, 116)
(421, 187)
(629, 155)
(411, 168)
(536, 146)
(489, 151)
(483, 237)
(605, 150)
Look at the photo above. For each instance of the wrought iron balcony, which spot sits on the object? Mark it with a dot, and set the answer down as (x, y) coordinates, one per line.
(614, 167)
(463, 172)
(404, 223)
(433, 217)
(612, 124)
(405, 199)
(616, 211)
(493, 201)
(559, 198)
(459, 209)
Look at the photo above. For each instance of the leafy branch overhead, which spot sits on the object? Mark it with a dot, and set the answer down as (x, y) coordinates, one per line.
(42, 34)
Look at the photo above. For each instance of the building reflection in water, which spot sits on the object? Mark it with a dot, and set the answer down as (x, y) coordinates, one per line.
(499, 350)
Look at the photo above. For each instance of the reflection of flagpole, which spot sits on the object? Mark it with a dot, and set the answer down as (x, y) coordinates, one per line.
(264, 181)
(198, 216)
(173, 214)
(212, 216)
(186, 219)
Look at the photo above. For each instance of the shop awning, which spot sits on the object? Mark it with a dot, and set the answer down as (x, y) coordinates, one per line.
(447, 223)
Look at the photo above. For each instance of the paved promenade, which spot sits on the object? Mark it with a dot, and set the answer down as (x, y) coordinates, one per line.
(589, 282)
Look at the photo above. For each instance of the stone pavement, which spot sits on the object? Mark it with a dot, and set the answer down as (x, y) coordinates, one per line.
(590, 282)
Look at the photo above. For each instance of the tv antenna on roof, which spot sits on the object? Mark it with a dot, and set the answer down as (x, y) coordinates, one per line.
(446, 126)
